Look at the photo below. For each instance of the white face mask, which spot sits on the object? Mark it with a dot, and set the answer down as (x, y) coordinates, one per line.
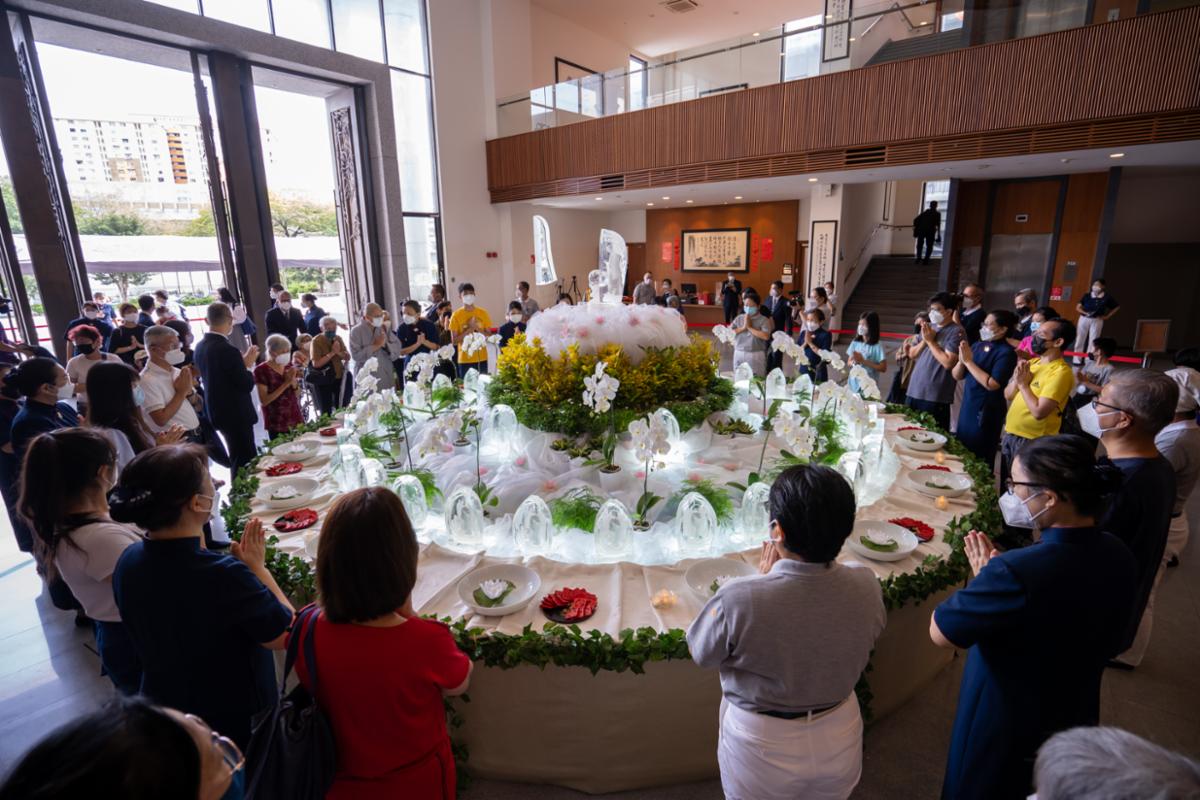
(283, 358)
(468, 299)
(1016, 511)
(812, 326)
(174, 357)
(986, 334)
(969, 302)
(409, 319)
(285, 305)
(936, 317)
(1089, 420)
(647, 281)
(376, 322)
(863, 330)
(1097, 292)
(515, 318)
(91, 314)
(774, 293)
(274, 295)
(66, 391)
(810, 304)
(130, 318)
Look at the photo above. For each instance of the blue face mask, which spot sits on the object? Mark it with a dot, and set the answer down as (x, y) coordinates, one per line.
(750, 309)
(1033, 326)
(237, 788)
(139, 397)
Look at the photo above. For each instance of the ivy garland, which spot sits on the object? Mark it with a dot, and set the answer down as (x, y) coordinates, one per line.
(631, 649)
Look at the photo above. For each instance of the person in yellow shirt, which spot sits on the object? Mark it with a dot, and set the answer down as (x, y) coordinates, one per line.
(1038, 392)
(468, 319)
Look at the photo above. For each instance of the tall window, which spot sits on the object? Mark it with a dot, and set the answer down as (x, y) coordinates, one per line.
(637, 83)
(802, 51)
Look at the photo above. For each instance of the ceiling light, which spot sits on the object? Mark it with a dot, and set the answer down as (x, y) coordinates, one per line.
(945, 169)
(691, 201)
(666, 197)
(1065, 160)
(925, 23)
(852, 38)
(599, 198)
(649, 204)
(812, 180)
(756, 34)
(1116, 155)
(737, 197)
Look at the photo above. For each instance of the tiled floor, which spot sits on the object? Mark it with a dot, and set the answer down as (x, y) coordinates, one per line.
(49, 674)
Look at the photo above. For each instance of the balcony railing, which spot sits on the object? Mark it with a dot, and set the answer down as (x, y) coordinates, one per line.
(871, 33)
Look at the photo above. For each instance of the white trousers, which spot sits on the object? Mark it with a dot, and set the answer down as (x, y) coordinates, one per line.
(765, 758)
(1086, 332)
(1177, 535)
(1141, 640)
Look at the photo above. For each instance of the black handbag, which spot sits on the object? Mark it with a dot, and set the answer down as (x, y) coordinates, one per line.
(321, 376)
(292, 753)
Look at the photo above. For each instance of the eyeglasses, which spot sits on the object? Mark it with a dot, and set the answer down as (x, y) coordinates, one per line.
(1010, 483)
(230, 753)
(1096, 403)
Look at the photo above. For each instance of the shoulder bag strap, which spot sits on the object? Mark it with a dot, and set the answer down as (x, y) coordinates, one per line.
(310, 648)
(293, 648)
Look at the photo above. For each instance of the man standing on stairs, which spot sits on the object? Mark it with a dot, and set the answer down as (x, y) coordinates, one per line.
(927, 229)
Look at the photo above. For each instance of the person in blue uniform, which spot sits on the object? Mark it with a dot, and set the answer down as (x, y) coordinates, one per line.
(985, 368)
(1040, 621)
(416, 335)
(515, 323)
(202, 622)
(814, 338)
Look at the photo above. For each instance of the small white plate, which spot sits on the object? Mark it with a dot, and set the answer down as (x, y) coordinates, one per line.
(305, 488)
(957, 482)
(298, 450)
(526, 583)
(904, 537)
(700, 576)
(915, 440)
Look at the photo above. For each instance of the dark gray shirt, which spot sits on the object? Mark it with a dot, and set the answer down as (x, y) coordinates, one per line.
(931, 381)
(1179, 443)
(792, 640)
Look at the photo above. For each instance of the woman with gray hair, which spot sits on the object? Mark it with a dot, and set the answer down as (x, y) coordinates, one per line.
(278, 385)
(1111, 764)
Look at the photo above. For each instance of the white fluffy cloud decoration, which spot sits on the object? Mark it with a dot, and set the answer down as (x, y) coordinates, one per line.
(594, 325)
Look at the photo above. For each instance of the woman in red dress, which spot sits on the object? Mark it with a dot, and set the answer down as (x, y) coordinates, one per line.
(278, 383)
(382, 671)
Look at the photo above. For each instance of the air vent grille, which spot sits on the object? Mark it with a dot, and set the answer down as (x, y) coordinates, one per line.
(680, 6)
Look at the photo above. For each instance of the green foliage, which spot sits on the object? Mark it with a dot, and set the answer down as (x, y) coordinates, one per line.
(717, 497)
(647, 501)
(109, 222)
(428, 483)
(9, 198)
(124, 281)
(733, 427)
(577, 448)
(294, 216)
(575, 509)
(374, 446)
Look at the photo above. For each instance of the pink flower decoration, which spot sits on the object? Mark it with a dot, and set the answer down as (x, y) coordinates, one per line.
(694, 477)
(633, 322)
(599, 320)
(549, 486)
(520, 462)
(641, 473)
(483, 470)
(582, 333)
(731, 466)
(701, 461)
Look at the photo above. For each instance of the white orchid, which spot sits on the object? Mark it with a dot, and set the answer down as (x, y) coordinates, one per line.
(445, 352)
(365, 380)
(867, 387)
(494, 339)
(423, 366)
(472, 343)
(600, 390)
(724, 334)
(782, 343)
(440, 432)
(649, 437)
(796, 435)
(833, 359)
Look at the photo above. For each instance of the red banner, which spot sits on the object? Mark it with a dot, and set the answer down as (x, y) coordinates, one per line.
(675, 248)
(754, 253)
(667, 252)
(768, 249)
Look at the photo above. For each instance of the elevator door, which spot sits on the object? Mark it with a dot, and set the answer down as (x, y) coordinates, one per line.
(1018, 261)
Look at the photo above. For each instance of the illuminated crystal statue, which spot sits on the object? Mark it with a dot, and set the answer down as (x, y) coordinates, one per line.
(607, 281)
(543, 258)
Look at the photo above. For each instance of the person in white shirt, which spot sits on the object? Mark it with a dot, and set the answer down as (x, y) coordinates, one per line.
(1179, 443)
(87, 341)
(165, 386)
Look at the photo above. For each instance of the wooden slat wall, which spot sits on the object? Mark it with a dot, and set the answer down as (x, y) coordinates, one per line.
(1127, 82)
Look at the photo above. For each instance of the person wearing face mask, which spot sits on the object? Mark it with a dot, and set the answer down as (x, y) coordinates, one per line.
(1039, 318)
(529, 306)
(329, 357)
(1038, 622)
(731, 297)
(244, 330)
(1130, 412)
(371, 339)
(203, 623)
(931, 385)
(103, 754)
(670, 297)
(752, 334)
(470, 319)
(225, 376)
(515, 324)
(1179, 443)
(313, 314)
(174, 307)
(814, 338)
(866, 350)
(145, 304)
(983, 370)
(790, 725)
(643, 293)
(276, 290)
(1024, 304)
(1089, 380)
(278, 385)
(818, 298)
(781, 317)
(1093, 310)
(906, 359)
(66, 477)
(167, 386)
(970, 313)
(416, 334)
(86, 341)
(285, 320)
(93, 319)
(107, 312)
(126, 339)
(831, 295)
(116, 411)
(437, 296)
(1037, 393)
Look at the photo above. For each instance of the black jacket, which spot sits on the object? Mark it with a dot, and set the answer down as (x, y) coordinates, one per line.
(290, 324)
(731, 297)
(227, 383)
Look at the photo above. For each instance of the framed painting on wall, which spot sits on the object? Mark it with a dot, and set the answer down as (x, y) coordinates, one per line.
(835, 39)
(822, 253)
(716, 250)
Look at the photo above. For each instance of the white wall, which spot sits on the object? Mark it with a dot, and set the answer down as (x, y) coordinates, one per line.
(553, 36)
(906, 204)
(1157, 206)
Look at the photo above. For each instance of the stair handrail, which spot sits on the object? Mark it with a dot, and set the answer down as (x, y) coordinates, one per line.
(888, 10)
(857, 262)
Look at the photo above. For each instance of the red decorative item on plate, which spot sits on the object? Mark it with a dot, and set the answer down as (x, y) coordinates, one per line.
(329, 431)
(934, 466)
(296, 520)
(284, 468)
(919, 529)
(568, 605)
(903, 428)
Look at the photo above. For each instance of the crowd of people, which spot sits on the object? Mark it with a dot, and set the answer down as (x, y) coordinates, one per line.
(105, 469)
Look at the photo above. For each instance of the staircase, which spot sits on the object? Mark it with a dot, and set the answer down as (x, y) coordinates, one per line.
(917, 46)
(895, 288)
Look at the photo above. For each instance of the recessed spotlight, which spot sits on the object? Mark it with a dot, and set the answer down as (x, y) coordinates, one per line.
(599, 198)
(925, 23)
(691, 201)
(945, 169)
(812, 180)
(1065, 160)
(649, 204)
(1116, 155)
(756, 35)
(737, 197)
(852, 39)
(666, 197)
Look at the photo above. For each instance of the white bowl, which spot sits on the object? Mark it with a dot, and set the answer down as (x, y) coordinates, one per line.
(957, 482)
(298, 450)
(305, 488)
(700, 576)
(526, 582)
(936, 440)
(904, 537)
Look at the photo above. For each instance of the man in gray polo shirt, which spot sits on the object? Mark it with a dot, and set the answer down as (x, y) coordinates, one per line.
(643, 293)
(931, 387)
(790, 646)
